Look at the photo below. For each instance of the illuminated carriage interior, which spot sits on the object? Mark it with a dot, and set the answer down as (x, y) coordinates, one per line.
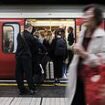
(51, 24)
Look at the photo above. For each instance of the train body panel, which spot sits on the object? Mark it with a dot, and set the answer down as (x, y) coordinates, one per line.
(7, 59)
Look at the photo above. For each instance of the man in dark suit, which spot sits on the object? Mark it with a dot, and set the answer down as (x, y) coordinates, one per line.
(24, 60)
(38, 54)
(71, 40)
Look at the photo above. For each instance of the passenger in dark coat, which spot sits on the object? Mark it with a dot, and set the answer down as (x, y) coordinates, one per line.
(24, 60)
(47, 42)
(38, 51)
(58, 58)
(47, 45)
(71, 40)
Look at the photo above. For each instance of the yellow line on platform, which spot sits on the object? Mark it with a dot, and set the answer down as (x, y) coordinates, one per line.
(8, 84)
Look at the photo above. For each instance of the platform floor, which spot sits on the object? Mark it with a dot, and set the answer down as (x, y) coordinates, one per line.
(42, 91)
(47, 94)
(31, 101)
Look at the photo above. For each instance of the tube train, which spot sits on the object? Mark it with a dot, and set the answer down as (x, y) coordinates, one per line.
(13, 19)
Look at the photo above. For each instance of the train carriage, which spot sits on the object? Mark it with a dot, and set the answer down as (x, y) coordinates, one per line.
(13, 19)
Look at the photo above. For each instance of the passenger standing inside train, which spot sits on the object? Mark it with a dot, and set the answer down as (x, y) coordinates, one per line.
(38, 51)
(47, 43)
(59, 52)
(91, 43)
(24, 61)
(70, 43)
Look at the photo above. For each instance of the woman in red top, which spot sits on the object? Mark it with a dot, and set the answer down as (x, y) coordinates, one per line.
(88, 51)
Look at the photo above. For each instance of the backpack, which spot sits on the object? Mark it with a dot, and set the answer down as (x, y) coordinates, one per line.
(60, 47)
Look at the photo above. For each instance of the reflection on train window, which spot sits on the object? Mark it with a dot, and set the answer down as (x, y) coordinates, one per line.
(8, 32)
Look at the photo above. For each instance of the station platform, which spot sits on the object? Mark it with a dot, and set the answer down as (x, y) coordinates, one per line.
(47, 94)
(31, 101)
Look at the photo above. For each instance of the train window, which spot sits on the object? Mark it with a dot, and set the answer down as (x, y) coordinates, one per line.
(10, 32)
(8, 38)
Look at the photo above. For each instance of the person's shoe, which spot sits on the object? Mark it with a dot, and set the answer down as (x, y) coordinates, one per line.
(32, 92)
(23, 91)
(58, 81)
(55, 82)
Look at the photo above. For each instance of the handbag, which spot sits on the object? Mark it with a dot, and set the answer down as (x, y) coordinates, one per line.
(94, 78)
(39, 78)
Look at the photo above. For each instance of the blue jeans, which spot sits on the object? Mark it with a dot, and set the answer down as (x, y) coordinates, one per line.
(64, 69)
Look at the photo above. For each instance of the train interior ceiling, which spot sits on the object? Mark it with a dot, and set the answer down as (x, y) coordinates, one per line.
(51, 24)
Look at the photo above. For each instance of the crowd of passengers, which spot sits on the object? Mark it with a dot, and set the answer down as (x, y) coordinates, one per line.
(35, 49)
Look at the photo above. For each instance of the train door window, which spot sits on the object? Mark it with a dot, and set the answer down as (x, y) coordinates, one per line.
(10, 32)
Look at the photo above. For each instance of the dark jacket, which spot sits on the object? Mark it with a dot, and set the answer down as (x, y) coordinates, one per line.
(37, 47)
(23, 45)
(48, 46)
(54, 45)
(71, 38)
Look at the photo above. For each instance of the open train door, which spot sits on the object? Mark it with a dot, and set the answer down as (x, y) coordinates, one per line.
(9, 29)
